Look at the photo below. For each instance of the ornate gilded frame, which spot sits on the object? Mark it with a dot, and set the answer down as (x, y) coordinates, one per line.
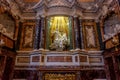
(88, 44)
(25, 26)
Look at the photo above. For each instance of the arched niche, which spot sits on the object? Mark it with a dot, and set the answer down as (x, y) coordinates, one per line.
(58, 27)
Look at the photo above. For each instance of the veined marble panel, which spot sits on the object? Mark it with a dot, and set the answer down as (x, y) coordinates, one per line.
(22, 60)
(67, 58)
(53, 59)
(60, 58)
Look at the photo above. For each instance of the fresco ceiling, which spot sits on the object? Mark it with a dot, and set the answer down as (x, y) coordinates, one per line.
(85, 6)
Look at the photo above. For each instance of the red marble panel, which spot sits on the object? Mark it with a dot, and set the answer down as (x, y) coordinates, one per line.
(95, 59)
(83, 58)
(23, 59)
(42, 58)
(76, 59)
(69, 58)
(59, 59)
(35, 58)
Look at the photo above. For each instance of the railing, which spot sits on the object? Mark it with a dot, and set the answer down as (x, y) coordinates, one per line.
(6, 41)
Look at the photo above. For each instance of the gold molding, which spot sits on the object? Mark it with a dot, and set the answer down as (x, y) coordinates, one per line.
(32, 24)
(91, 24)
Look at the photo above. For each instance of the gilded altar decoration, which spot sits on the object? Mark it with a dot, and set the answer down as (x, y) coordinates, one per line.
(27, 35)
(90, 36)
(60, 76)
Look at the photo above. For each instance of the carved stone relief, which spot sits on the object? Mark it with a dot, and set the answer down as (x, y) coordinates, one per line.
(111, 27)
(7, 25)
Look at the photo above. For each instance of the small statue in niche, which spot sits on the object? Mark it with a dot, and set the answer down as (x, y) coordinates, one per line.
(90, 36)
(28, 37)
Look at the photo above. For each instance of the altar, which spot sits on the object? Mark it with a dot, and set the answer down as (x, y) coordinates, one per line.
(64, 58)
(66, 65)
(54, 58)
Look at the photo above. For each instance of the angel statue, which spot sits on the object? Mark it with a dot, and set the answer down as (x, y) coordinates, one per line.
(60, 41)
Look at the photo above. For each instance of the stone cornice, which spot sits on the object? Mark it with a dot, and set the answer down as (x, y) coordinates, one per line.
(70, 8)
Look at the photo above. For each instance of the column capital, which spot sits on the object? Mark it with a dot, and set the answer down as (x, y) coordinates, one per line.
(37, 16)
(75, 16)
(43, 16)
(37, 35)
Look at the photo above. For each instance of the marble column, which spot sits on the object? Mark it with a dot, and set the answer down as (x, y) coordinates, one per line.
(37, 33)
(42, 33)
(81, 34)
(102, 47)
(77, 32)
